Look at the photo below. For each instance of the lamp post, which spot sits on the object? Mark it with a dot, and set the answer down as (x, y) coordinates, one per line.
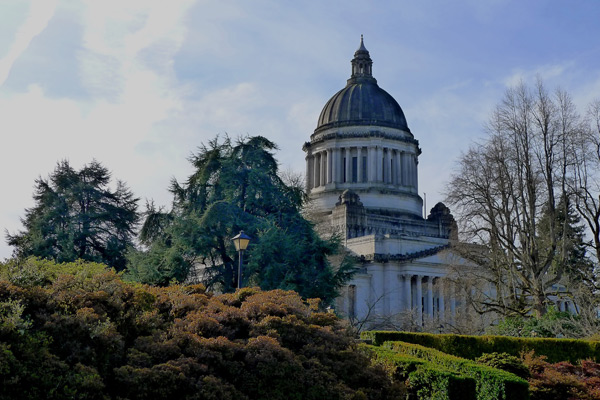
(240, 241)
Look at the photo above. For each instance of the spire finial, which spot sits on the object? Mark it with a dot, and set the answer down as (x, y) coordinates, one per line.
(361, 64)
(362, 45)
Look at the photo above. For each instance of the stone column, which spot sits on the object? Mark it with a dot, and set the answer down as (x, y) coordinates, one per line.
(442, 310)
(371, 162)
(403, 174)
(379, 164)
(323, 168)
(329, 166)
(392, 289)
(388, 165)
(410, 162)
(430, 296)
(398, 164)
(316, 172)
(415, 173)
(335, 162)
(308, 173)
(452, 290)
(348, 165)
(407, 292)
(359, 166)
(419, 302)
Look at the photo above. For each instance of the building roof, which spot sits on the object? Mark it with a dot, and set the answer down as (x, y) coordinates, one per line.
(362, 102)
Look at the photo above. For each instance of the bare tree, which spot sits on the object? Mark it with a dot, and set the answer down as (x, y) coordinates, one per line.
(586, 176)
(507, 184)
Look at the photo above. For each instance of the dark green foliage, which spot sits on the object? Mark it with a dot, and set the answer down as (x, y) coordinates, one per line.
(32, 271)
(491, 383)
(572, 259)
(78, 216)
(89, 335)
(505, 362)
(236, 186)
(425, 380)
(431, 382)
(471, 347)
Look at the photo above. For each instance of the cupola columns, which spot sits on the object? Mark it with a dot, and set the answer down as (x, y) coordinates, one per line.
(362, 65)
(359, 165)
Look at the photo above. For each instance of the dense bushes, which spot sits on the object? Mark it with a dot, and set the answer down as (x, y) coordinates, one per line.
(505, 362)
(553, 323)
(471, 347)
(562, 380)
(89, 335)
(425, 379)
(491, 383)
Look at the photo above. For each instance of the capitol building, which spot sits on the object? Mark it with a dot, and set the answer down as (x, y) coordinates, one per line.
(362, 180)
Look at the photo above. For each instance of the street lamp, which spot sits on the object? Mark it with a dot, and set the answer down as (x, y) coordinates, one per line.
(240, 241)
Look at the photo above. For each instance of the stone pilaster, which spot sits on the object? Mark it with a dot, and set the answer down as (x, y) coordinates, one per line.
(430, 296)
(419, 305)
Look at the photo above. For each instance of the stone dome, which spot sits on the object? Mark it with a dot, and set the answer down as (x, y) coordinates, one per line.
(362, 101)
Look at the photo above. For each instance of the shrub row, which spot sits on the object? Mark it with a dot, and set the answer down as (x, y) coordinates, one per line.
(426, 380)
(491, 383)
(89, 335)
(471, 347)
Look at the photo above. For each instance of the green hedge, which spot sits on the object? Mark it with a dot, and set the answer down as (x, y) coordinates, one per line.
(471, 347)
(491, 383)
(426, 380)
(430, 382)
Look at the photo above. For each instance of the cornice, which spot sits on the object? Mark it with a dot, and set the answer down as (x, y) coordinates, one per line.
(384, 258)
(319, 138)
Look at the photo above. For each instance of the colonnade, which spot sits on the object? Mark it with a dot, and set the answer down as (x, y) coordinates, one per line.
(360, 164)
(426, 297)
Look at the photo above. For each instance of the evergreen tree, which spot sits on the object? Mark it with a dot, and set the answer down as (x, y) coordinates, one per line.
(571, 266)
(236, 186)
(77, 216)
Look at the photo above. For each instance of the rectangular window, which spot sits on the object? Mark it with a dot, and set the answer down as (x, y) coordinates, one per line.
(354, 169)
(344, 169)
(364, 169)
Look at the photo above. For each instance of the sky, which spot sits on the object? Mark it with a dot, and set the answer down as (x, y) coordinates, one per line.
(139, 85)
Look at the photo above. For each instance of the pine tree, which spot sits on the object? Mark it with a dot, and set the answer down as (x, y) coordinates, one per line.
(77, 216)
(571, 261)
(236, 186)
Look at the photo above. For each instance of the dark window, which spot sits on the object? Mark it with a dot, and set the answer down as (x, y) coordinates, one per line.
(354, 169)
(364, 169)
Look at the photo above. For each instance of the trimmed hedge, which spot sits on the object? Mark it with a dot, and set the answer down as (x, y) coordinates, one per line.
(398, 365)
(491, 383)
(471, 347)
(426, 380)
(434, 383)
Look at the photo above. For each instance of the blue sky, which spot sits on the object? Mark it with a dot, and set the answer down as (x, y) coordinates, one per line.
(138, 85)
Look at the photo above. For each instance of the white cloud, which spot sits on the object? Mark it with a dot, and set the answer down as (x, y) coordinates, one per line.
(545, 72)
(40, 13)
